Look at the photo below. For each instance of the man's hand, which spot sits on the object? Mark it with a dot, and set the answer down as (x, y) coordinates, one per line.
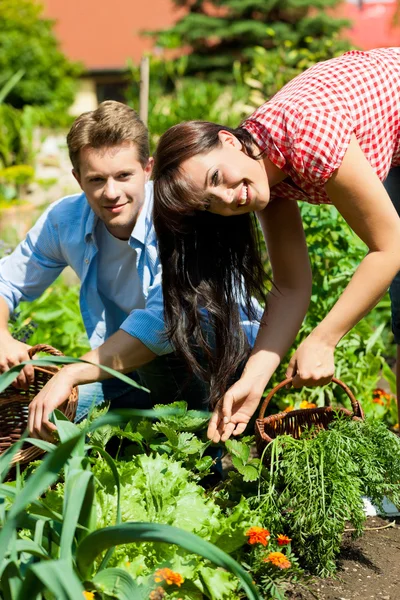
(233, 412)
(51, 396)
(13, 352)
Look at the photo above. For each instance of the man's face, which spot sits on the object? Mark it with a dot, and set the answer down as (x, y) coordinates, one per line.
(114, 183)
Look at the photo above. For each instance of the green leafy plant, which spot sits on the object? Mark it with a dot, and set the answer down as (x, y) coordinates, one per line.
(66, 543)
(316, 484)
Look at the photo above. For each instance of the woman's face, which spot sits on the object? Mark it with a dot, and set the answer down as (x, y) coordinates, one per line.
(233, 183)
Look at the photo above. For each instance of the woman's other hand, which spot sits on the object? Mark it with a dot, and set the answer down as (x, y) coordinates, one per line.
(233, 412)
(312, 364)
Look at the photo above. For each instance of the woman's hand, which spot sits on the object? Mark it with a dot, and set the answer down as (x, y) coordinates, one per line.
(312, 364)
(233, 412)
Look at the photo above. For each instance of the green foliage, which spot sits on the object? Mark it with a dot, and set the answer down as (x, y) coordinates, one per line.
(14, 179)
(50, 545)
(16, 133)
(174, 98)
(27, 43)
(316, 485)
(222, 31)
(56, 318)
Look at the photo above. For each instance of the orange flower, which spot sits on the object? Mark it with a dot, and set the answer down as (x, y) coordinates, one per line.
(396, 427)
(306, 404)
(289, 408)
(169, 576)
(157, 594)
(278, 560)
(378, 400)
(258, 535)
(88, 595)
(379, 395)
(283, 540)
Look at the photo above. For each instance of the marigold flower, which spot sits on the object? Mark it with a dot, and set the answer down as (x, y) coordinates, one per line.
(169, 576)
(306, 404)
(278, 560)
(283, 539)
(396, 427)
(157, 594)
(378, 392)
(88, 595)
(289, 408)
(378, 400)
(258, 535)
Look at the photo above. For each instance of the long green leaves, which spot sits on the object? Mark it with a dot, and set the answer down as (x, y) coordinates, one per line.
(58, 577)
(8, 377)
(100, 540)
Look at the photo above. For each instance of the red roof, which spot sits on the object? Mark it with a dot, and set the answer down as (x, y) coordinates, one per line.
(105, 34)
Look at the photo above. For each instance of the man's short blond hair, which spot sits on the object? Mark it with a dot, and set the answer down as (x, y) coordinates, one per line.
(111, 124)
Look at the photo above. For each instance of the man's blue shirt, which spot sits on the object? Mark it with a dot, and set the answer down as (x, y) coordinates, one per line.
(65, 235)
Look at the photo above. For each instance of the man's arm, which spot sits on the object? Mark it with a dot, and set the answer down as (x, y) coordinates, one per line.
(13, 352)
(121, 352)
(24, 275)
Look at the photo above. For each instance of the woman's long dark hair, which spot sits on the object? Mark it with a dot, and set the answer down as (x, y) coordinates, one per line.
(210, 264)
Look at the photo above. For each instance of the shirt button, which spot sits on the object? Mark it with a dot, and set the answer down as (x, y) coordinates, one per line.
(87, 261)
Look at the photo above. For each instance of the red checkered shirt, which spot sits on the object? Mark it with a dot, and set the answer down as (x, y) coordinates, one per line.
(305, 129)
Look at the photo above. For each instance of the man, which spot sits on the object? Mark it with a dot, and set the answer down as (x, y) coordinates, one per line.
(106, 235)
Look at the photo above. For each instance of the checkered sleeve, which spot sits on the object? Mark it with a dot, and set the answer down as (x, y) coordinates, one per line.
(319, 143)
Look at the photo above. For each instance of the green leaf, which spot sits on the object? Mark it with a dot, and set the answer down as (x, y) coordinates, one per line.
(118, 583)
(374, 337)
(238, 449)
(56, 577)
(390, 377)
(218, 583)
(46, 474)
(12, 82)
(204, 463)
(11, 581)
(76, 494)
(8, 377)
(249, 472)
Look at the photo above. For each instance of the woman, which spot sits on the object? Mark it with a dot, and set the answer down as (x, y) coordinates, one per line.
(331, 135)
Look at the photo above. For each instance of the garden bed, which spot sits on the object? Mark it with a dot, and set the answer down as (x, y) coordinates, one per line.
(368, 568)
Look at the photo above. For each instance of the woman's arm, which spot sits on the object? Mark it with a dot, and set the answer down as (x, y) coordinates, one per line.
(360, 197)
(287, 305)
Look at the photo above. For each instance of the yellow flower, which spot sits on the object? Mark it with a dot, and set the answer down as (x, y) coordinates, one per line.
(306, 404)
(278, 560)
(258, 535)
(88, 595)
(169, 576)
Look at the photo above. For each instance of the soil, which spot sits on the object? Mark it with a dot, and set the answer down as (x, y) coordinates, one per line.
(368, 567)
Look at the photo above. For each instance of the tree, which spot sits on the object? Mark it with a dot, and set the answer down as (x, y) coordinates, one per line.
(27, 43)
(220, 32)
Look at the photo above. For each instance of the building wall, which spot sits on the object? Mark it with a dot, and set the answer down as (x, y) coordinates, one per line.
(104, 34)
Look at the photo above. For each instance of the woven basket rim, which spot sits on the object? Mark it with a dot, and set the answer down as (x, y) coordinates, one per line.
(13, 404)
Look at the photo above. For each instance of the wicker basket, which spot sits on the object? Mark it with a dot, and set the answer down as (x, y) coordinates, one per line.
(294, 422)
(14, 405)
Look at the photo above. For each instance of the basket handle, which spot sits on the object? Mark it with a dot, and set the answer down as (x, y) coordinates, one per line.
(44, 348)
(355, 405)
